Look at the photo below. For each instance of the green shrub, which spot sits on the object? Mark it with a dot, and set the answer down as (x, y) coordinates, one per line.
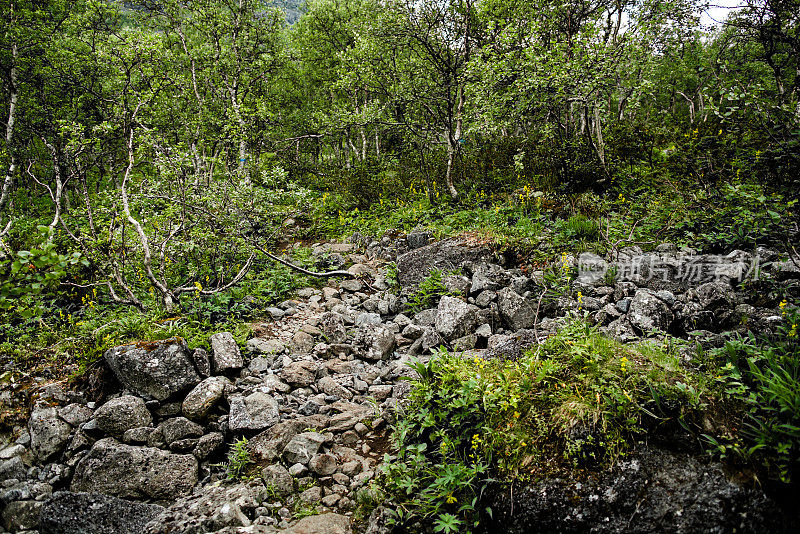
(763, 374)
(580, 399)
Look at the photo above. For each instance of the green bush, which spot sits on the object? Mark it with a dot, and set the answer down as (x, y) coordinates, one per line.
(579, 400)
(763, 373)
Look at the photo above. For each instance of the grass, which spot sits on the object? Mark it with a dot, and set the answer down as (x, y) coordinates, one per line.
(579, 401)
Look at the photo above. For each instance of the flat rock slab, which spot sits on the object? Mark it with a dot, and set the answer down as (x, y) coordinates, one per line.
(157, 369)
(94, 513)
(113, 468)
(321, 524)
(446, 255)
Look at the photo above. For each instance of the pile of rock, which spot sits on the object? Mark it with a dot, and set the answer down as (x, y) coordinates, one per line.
(313, 391)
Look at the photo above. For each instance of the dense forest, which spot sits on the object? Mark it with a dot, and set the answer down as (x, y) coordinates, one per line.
(159, 155)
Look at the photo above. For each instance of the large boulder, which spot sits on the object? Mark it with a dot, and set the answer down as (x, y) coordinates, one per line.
(121, 414)
(157, 369)
(113, 468)
(447, 255)
(94, 513)
(49, 434)
(455, 318)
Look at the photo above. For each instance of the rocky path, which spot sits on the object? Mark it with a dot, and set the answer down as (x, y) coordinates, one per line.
(312, 393)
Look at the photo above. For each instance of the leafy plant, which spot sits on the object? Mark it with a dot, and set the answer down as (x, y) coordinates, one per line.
(763, 373)
(239, 460)
(431, 289)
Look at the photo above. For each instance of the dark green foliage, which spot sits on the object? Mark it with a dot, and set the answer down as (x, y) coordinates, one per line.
(764, 375)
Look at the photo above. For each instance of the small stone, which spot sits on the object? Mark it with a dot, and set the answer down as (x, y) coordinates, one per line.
(312, 495)
(202, 362)
(303, 447)
(279, 479)
(298, 470)
(302, 342)
(208, 445)
(75, 414)
(265, 346)
(361, 428)
(323, 464)
(179, 428)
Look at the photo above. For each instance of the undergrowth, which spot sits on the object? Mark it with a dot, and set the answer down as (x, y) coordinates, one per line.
(579, 400)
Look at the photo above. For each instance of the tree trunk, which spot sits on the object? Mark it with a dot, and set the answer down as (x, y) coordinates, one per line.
(8, 181)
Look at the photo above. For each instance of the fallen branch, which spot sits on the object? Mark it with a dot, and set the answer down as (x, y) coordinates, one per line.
(329, 274)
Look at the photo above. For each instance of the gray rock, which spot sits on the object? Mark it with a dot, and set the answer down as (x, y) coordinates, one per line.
(302, 342)
(650, 491)
(265, 346)
(49, 433)
(12, 468)
(140, 436)
(312, 495)
(446, 255)
(352, 286)
(488, 276)
(202, 362)
(323, 464)
(303, 447)
(125, 471)
(122, 414)
(417, 240)
(592, 269)
(179, 428)
(517, 312)
(223, 509)
(333, 327)
(227, 356)
(278, 478)
(465, 343)
(426, 317)
(648, 313)
(374, 342)
(75, 414)
(301, 374)
(157, 369)
(21, 515)
(208, 445)
(455, 318)
(205, 395)
(485, 298)
(256, 411)
(329, 386)
(412, 331)
(94, 513)
(368, 319)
